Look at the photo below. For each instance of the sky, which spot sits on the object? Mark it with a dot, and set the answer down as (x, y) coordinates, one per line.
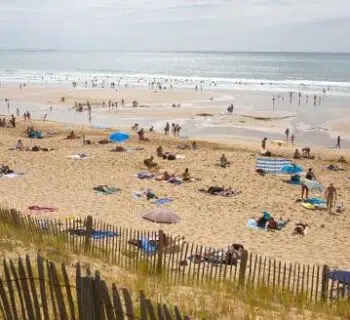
(182, 25)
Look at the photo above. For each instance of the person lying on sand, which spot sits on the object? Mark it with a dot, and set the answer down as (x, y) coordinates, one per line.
(272, 224)
(149, 163)
(297, 154)
(164, 177)
(4, 169)
(224, 163)
(301, 229)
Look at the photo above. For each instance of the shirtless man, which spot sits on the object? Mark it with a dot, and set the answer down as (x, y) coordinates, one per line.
(331, 196)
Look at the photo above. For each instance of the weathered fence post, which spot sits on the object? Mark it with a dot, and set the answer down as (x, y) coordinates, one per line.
(87, 299)
(88, 233)
(324, 283)
(160, 251)
(242, 268)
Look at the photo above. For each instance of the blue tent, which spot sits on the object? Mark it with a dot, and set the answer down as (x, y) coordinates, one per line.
(119, 137)
(293, 169)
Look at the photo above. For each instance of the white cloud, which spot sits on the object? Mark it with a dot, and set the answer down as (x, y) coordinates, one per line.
(174, 24)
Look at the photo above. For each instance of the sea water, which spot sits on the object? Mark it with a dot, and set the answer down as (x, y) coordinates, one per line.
(305, 72)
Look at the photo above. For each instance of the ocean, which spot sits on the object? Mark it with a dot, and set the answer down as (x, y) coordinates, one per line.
(306, 72)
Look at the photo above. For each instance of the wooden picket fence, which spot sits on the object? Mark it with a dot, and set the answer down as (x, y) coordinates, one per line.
(41, 291)
(182, 262)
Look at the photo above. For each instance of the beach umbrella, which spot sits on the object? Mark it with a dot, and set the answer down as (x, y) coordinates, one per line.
(119, 137)
(161, 215)
(293, 169)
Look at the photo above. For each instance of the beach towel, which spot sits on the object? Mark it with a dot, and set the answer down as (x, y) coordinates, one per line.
(12, 175)
(148, 246)
(36, 134)
(308, 206)
(100, 235)
(106, 190)
(176, 181)
(162, 201)
(144, 175)
(343, 276)
(39, 208)
(272, 165)
(252, 224)
(80, 156)
(180, 156)
(315, 201)
(313, 185)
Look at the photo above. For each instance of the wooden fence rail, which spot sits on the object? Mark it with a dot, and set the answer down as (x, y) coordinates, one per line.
(40, 290)
(182, 262)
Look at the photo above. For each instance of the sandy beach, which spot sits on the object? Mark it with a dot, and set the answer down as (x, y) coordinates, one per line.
(53, 179)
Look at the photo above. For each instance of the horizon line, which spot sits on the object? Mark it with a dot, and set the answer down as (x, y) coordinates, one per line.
(172, 51)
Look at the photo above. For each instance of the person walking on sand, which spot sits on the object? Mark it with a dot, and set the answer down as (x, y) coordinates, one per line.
(166, 129)
(338, 142)
(273, 102)
(315, 99)
(290, 97)
(292, 138)
(331, 197)
(263, 143)
(287, 134)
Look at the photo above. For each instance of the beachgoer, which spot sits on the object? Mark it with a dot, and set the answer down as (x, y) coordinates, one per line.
(194, 145)
(297, 154)
(173, 129)
(287, 134)
(273, 102)
(223, 161)
(160, 151)
(290, 97)
(71, 135)
(19, 145)
(306, 152)
(166, 129)
(186, 175)
(310, 175)
(263, 143)
(315, 99)
(135, 126)
(149, 163)
(338, 142)
(292, 138)
(13, 121)
(331, 196)
(151, 129)
(301, 228)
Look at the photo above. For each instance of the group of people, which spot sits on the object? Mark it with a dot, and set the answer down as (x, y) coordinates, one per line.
(26, 116)
(175, 129)
(12, 122)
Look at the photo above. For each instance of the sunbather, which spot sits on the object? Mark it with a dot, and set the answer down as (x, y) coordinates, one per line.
(141, 135)
(306, 153)
(272, 224)
(301, 228)
(149, 163)
(71, 135)
(297, 154)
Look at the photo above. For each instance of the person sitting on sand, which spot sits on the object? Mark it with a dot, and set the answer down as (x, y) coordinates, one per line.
(19, 145)
(149, 163)
(272, 224)
(135, 127)
(301, 228)
(186, 175)
(151, 129)
(160, 151)
(141, 135)
(71, 135)
(306, 153)
(297, 154)
(224, 162)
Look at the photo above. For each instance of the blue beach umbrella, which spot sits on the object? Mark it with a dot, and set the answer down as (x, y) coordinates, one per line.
(293, 169)
(119, 137)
